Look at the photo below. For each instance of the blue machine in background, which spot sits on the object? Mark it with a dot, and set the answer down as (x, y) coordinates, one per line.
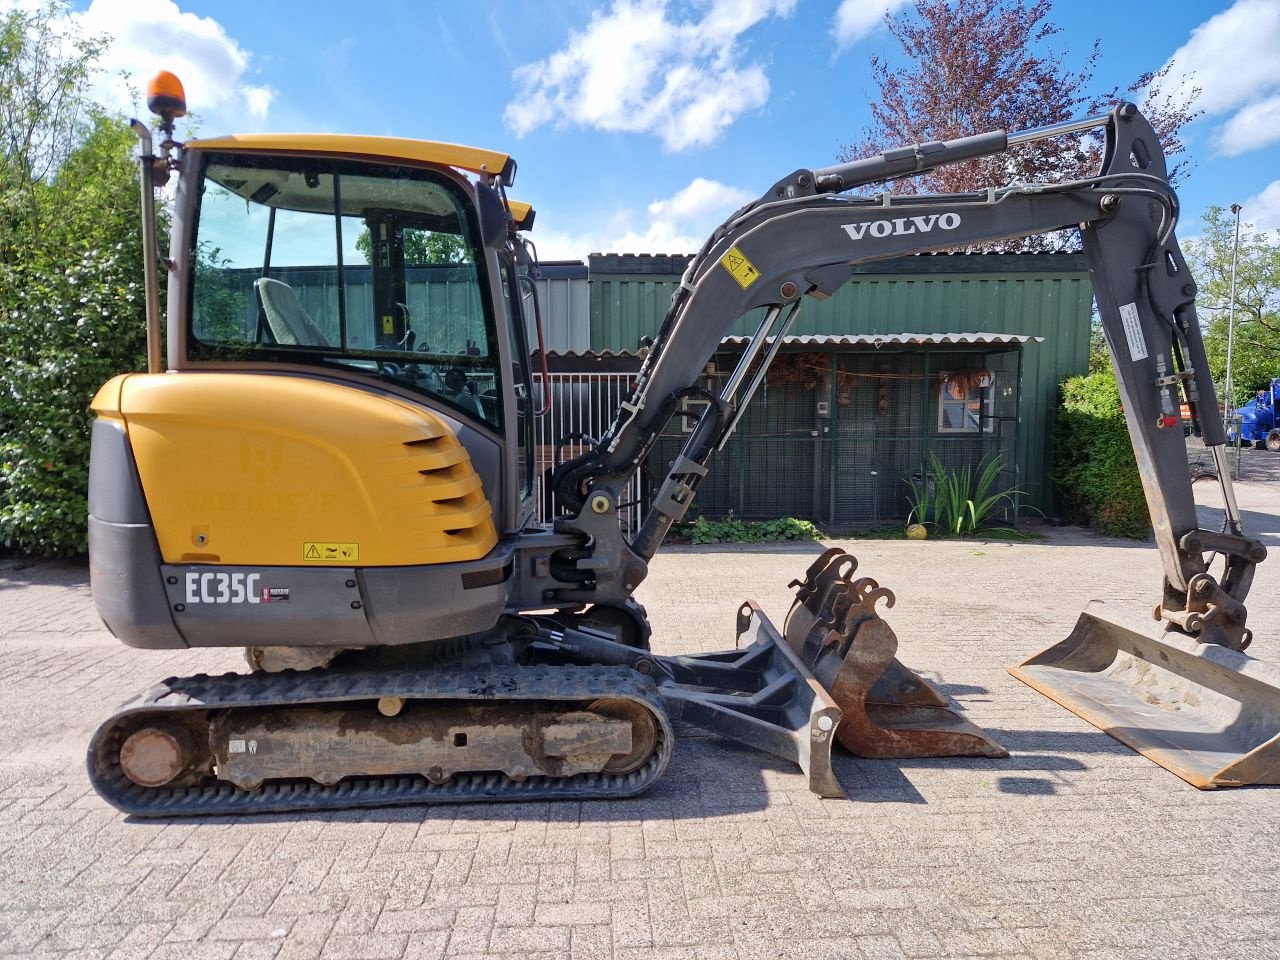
(1258, 419)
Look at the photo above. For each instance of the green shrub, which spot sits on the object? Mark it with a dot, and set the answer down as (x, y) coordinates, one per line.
(1094, 469)
(71, 317)
(735, 530)
(70, 272)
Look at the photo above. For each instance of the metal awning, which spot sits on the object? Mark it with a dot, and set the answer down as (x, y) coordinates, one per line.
(609, 360)
(892, 339)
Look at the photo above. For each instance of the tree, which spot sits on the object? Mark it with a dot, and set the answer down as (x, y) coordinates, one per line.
(44, 107)
(1255, 359)
(422, 248)
(979, 65)
(71, 303)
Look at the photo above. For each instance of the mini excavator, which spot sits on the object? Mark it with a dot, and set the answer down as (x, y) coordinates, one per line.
(333, 469)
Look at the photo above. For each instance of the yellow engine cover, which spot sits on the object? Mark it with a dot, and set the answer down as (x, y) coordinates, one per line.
(265, 470)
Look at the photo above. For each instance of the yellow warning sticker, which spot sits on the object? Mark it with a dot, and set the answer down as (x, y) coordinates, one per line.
(319, 551)
(388, 324)
(740, 268)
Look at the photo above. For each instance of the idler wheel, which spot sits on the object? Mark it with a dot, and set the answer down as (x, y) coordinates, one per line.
(154, 756)
(644, 733)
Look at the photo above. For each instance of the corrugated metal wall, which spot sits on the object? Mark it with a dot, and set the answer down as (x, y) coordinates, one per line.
(1042, 295)
(439, 298)
(856, 472)
(443, 302)
(566, 305)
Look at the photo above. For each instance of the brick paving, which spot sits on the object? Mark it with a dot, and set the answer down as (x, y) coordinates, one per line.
(1073, 847)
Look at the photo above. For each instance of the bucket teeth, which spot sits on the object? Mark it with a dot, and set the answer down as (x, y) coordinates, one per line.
(890, 712)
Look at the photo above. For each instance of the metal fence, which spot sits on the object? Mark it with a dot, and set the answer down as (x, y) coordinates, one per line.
(854, 465)
(582, 406)
(1200, 459)
(839, 445)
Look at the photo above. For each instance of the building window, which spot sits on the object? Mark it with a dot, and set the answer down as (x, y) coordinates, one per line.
(965, 402)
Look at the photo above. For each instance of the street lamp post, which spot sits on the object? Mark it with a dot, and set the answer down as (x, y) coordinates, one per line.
(1227, 407)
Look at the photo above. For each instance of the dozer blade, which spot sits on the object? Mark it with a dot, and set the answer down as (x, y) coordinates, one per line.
(889, 712)
(1205, 712)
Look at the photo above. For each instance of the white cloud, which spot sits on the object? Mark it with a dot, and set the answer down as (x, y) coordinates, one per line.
(676, 224)
(856, 19)
(700, 198)
(681, 223)
(1254, 126)
(1231, 56)
(1263, 210)
(151, 35)
(1231, 59)
(635, 70)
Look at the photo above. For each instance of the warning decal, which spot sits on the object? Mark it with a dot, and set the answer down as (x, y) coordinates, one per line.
(1133, 331)
(388, 324)
(739, 267)
(327, 550)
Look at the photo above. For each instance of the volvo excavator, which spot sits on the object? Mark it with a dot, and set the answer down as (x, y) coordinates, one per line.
(332, 468)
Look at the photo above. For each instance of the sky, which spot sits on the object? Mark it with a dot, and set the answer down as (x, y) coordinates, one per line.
(638, 126)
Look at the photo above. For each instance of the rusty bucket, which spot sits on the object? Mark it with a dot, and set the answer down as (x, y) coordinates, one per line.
(1205, 712)
(890, 712)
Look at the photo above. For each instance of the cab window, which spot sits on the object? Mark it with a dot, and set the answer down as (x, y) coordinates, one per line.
(345, 265)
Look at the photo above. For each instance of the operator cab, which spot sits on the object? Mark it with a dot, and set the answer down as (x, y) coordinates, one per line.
(364, 260)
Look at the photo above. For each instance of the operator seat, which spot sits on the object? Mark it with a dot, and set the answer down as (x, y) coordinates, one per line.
(290, 324)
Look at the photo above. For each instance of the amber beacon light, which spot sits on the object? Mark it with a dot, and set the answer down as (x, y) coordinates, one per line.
(165, 96)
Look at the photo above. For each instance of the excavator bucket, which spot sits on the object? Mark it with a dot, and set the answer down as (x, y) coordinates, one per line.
(889, 711)
(1201, 710)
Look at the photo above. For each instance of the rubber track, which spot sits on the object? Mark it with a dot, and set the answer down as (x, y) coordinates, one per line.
(300, 688)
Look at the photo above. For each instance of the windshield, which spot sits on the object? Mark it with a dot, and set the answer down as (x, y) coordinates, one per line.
(347, 265)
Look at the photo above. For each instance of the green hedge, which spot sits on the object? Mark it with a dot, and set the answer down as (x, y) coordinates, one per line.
(71, 317)
(1094, 469)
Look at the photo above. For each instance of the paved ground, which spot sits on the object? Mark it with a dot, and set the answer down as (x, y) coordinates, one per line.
(1073, 847)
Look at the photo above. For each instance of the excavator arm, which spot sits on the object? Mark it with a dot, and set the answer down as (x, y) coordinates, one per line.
(801, 238)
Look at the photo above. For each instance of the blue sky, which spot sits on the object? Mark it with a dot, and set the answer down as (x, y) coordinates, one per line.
(638, 126)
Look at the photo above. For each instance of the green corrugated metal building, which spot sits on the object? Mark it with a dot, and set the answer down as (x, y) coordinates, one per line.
(885, 404)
